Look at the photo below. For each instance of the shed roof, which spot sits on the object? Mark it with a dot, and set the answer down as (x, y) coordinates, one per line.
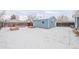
(53, 18)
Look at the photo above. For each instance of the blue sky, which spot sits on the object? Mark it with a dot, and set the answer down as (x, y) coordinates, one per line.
(42, 12)
(45, 12)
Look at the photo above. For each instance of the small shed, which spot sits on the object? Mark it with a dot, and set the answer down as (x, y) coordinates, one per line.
(45, 23)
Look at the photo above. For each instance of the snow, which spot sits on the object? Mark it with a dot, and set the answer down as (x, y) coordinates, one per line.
(23, 18)
(38, 38)
(5, 17)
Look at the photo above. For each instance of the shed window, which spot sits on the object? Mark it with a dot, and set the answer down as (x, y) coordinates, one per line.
(42, 22)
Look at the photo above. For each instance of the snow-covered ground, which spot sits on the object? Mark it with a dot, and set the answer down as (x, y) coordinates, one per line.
(36, 38)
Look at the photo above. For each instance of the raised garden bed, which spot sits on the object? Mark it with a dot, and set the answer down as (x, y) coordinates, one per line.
(14, 28)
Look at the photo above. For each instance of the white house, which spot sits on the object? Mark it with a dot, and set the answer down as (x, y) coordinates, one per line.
(76, 17)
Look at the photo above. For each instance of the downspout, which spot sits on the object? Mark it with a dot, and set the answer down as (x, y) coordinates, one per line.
(76, 22)
(55, 22)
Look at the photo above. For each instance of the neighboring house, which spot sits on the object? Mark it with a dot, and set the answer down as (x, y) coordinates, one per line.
(76, 17)
(45, 23)
(14, 21)
(64, 21)
(1, 20)
(1, 24)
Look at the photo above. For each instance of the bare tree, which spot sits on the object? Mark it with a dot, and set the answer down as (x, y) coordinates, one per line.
(1, 22)
(2, 13)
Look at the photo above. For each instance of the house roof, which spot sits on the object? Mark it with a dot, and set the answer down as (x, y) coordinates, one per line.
(23, 17)
(14, 21)
(76, 14)
(64, 19)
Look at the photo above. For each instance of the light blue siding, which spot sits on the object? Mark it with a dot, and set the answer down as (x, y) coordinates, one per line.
(47, 23)
(51, 23)
(38, 23)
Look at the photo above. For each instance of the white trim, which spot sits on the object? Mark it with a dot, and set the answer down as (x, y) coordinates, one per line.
(55, 22)
(75, 22)
(48, 23)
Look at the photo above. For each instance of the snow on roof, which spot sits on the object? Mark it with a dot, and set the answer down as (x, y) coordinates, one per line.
(5, 17)
(8, 17)
(14, 21)
(65, 19)
(23, 17)
(44, 18)
(76, 14)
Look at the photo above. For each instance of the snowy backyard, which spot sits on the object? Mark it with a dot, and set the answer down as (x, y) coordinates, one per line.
(38, 38)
